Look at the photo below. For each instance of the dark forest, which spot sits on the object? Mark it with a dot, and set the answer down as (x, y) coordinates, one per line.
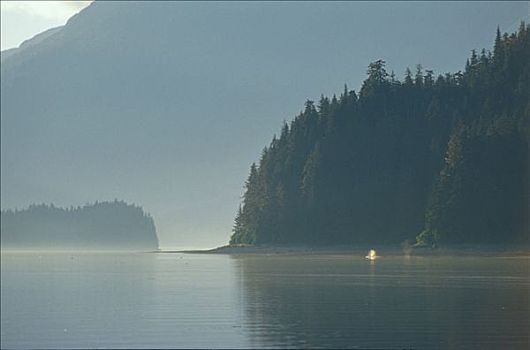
(430, 159)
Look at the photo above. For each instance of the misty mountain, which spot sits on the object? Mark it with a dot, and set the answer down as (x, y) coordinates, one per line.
(102, 225)
(29, 43)
(165, 103)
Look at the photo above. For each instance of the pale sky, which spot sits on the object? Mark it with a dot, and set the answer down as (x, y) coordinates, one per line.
(21, 20)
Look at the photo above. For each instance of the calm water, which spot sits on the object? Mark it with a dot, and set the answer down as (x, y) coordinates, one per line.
(176, 300)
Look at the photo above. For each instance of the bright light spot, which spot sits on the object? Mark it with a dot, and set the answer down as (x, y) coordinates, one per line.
(371, 255)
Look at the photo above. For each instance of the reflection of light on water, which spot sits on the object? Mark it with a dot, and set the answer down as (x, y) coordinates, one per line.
(371, 255)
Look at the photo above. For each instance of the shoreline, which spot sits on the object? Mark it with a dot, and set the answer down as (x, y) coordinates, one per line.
(386, 250)
(337, 250)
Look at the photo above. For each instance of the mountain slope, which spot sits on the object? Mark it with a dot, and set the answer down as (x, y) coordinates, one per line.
(37, 39)
(165, 103)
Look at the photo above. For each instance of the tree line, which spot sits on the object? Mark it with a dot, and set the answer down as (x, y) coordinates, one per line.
(431, 159)
(102, 225)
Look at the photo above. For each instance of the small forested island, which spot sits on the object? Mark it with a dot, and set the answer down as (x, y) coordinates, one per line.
(430, 159)
(100, 226)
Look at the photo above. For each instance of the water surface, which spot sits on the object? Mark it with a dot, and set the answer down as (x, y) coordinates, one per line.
(123, 300)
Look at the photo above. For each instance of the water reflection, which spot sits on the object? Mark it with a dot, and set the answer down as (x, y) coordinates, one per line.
(215, 301)
(69, 297)
(119, 301)
(310, 301)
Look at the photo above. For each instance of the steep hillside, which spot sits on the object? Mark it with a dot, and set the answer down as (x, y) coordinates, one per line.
(444, 157)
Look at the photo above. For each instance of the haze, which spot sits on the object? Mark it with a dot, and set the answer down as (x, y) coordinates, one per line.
(165, 104)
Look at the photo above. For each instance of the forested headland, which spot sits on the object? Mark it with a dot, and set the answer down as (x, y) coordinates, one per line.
(103, 225)
(430, 159)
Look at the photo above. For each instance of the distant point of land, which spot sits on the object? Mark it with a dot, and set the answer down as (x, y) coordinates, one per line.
(107, 226)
